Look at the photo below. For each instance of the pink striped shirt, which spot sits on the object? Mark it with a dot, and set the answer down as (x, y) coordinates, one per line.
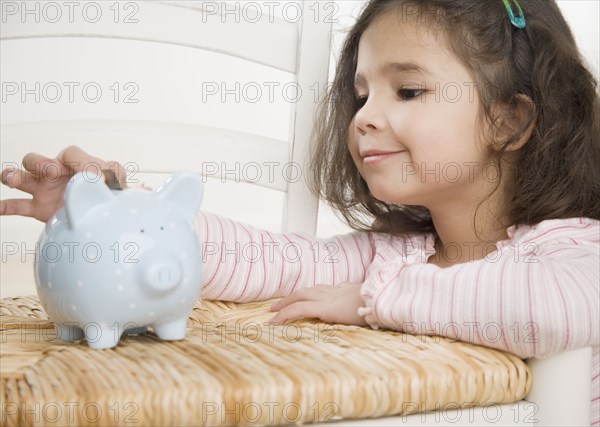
(536, 295)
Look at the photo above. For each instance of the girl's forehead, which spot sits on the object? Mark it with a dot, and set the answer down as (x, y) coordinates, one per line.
(390, 32)
(392, 39)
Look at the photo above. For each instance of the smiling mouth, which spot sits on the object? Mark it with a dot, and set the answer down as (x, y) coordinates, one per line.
(371, 158)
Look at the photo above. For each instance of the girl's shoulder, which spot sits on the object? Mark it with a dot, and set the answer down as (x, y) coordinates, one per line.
(579, 231)
(576, 230)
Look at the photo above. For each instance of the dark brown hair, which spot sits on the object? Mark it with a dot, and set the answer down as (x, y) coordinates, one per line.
(556, 172)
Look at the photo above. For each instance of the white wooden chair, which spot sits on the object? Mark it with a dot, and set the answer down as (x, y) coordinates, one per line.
(136, 114)
(153, 115)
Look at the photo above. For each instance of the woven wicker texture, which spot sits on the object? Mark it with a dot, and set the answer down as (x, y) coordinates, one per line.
(234, 370)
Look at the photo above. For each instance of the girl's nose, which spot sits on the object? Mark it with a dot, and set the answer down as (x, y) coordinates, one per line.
(370, 117)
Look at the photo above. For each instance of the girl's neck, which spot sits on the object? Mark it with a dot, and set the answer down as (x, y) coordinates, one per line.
(457, 239)
(452, 254)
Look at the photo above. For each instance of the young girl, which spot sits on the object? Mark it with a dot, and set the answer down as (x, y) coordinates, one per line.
(464, 148)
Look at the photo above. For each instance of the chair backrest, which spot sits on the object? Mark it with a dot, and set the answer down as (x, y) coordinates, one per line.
(228, 89)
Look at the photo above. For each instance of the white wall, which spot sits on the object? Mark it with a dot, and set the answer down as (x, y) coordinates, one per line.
(583, 17)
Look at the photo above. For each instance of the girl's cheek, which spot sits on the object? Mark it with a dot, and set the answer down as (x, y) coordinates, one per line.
(352, 141)
(351, 133)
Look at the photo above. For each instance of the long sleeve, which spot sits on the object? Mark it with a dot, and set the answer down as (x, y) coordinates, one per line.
(538, 294)
(242, 263)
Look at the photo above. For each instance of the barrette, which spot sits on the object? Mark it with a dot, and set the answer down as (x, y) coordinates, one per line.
(517, 21)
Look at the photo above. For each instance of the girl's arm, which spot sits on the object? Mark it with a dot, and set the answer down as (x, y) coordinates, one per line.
(536, 296)
(242, 263)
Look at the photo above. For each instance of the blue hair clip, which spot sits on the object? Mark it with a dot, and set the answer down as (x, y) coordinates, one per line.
(517, 21)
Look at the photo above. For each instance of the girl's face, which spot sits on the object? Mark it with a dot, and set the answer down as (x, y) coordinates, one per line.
(416, 138)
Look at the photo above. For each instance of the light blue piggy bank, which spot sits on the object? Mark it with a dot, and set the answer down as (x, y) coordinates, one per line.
(111, 262)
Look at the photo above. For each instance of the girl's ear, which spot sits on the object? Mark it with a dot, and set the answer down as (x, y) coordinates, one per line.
(515, 119)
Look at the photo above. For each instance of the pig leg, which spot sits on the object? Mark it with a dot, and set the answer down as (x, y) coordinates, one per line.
(171, 330)
(103, 336)
(68, 332)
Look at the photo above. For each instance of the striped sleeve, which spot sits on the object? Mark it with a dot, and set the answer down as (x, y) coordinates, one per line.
(536, 295)
(243, 264)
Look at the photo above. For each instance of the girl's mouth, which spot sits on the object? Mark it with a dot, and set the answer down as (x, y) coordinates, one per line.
(371, 157)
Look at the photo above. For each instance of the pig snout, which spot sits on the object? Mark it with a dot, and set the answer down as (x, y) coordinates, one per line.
(160, 272)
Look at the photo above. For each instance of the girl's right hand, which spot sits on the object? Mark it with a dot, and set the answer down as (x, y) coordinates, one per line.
(46, 179)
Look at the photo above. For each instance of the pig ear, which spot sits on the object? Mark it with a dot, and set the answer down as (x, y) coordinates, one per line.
(85, 191)
(184, 189)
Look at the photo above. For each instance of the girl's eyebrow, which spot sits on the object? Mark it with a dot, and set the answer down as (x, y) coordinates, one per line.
(394, 67)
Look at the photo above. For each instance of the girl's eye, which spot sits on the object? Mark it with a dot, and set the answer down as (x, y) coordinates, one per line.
(407, 94)
(360, 100)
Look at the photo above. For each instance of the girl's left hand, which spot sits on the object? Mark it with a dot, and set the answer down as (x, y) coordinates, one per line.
(333, 304)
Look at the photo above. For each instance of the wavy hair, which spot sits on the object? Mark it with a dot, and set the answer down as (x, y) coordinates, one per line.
(557, 170)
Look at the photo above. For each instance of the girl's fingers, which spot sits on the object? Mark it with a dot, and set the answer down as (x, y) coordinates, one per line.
(78, 160)
(19, 179)
(6, 175)
(297, 310)
(44, 168)
(305, 294)
(32, 162)
(70, 161)
(23, 207)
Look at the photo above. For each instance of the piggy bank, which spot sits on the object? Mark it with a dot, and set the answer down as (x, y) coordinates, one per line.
(112, 262)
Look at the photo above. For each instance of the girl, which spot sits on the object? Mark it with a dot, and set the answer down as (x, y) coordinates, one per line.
(465, 149)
